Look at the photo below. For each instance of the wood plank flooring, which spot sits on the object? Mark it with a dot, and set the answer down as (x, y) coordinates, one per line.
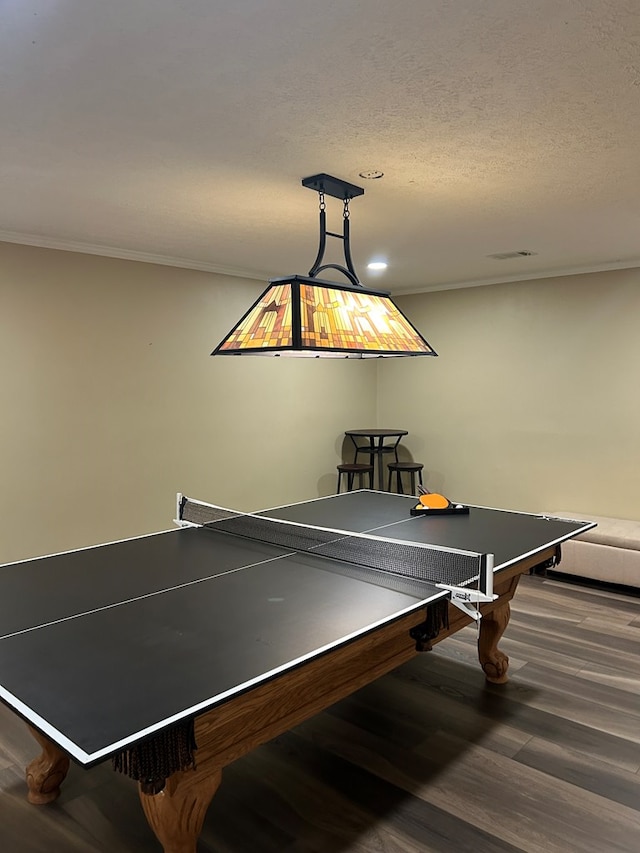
(428, 759)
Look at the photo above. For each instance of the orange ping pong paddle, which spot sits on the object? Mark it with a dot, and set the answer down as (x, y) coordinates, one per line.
(433, 500)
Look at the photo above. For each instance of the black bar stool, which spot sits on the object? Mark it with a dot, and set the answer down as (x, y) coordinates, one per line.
(400, 468)
(351, 469)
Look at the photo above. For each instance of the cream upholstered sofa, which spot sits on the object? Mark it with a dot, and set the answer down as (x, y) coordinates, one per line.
(609, 552)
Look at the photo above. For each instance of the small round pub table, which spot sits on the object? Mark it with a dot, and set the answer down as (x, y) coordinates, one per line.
(380, 441)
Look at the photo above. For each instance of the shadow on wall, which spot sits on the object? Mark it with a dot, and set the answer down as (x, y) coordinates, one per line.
(327, 484)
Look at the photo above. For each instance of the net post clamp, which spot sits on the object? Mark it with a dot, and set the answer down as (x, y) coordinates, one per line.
(465, 599)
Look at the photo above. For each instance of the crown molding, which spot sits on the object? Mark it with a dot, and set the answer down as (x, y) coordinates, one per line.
(555, 273)
(126, 254)
(256, 275)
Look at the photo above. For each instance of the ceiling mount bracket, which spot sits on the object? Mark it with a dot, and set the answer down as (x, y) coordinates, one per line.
(335, 187)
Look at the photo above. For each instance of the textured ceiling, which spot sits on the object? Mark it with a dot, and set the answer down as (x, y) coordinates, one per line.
(179, 130)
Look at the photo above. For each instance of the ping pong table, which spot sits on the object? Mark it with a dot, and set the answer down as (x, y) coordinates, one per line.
(176, 653)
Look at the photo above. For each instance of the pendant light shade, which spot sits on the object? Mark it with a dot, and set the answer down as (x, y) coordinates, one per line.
(306, 316)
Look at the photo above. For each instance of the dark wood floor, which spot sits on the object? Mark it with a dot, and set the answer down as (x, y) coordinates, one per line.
(426, 759)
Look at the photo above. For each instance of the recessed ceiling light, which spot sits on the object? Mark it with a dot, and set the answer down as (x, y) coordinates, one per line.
(371, 174)
(377, 265)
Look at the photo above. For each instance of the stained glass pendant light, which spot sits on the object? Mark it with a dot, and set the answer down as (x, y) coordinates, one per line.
(307, 316)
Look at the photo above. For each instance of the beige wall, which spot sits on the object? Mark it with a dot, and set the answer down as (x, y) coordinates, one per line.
(110, 402)
(534, 402)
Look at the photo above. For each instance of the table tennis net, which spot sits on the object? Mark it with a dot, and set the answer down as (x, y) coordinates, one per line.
(402, 559)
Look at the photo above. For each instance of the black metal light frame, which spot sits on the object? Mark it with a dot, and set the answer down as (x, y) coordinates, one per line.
(327, 185)
(324, 185)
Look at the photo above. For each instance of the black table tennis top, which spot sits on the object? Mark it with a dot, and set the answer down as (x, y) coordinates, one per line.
(508, 535)
(102, 646)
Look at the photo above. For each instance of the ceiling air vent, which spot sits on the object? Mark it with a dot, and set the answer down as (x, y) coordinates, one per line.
(504, 256)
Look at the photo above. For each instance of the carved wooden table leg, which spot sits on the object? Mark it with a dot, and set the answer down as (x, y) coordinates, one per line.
(47, 772)
(177, 813)
(492, 626)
